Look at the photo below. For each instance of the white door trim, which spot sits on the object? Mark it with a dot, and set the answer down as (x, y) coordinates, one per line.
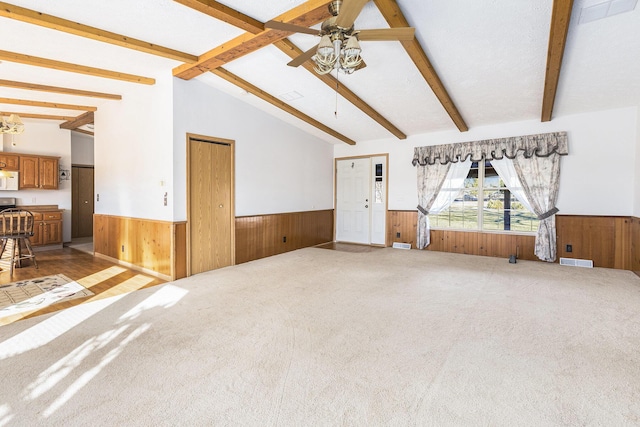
(385, 180)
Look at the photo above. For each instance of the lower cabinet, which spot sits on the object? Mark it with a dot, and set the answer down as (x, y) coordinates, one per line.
(47, 228)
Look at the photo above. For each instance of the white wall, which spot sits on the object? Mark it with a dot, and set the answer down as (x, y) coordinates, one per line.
(134, 152)
(81, 149)
(595, 178)
(278, 167)
(47, 139)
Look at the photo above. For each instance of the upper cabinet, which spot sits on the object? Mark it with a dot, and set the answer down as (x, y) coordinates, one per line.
(38, 172)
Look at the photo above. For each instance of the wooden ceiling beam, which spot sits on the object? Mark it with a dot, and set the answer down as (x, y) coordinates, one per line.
(33, 17)
(73, 68)
(81, 120)
(232, 78)
(47, 104)
(56, 89)
(307, 14)
(293, 51)
(225, 14)
(560, 18)
(395, 18)
(37, 116)
(86, 132)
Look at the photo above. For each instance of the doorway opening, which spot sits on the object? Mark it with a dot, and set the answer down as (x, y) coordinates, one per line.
(82, 207)
(361, 199)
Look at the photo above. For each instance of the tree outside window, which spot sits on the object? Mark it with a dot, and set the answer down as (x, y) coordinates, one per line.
(485, 203)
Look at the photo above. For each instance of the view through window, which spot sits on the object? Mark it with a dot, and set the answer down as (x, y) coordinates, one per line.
(485, 203)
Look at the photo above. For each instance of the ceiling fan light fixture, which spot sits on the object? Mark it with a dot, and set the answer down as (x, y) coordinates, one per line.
(12, 125)
(325, 48)
(325, 58)
(350, 58)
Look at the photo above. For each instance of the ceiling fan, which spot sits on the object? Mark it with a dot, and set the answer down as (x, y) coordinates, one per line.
(339, 48)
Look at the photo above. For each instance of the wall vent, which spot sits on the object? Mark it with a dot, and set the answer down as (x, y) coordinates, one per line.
(575, 262)
(398, 245)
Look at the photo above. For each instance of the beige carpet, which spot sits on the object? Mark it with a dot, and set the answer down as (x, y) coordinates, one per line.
(322, 338)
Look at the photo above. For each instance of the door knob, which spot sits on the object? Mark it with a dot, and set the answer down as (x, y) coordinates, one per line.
(86, 201)
(220, 206)
(366, 206)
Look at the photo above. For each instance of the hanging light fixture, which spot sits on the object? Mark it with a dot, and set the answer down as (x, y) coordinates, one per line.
(337, 51)
(12, 125)
(350, 58)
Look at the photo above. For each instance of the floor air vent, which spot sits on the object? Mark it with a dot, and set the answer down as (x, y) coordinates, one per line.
(398, 245)
(574, 262)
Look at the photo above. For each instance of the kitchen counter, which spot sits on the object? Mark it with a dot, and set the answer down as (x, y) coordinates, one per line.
(40, 208)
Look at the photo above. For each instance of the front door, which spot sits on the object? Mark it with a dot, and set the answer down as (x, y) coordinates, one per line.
(211, 212)
(352, 200)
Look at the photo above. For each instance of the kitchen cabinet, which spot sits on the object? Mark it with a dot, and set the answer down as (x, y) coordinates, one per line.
(39, 172)
(47, 227)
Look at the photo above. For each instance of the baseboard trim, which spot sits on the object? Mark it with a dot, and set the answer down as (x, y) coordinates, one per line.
(133, 266)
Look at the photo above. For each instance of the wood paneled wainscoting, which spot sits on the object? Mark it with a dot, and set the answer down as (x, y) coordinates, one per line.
(635, 245)
(152, 246)
(261, 236)
(610, 241)
(462, 242)
(604, 239)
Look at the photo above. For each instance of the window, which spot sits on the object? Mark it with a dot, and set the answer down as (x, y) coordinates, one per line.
(485, 203)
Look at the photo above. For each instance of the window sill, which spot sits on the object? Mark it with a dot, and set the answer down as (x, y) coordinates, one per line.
(466, 230)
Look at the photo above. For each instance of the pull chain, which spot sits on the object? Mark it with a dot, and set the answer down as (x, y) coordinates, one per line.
(335, 113)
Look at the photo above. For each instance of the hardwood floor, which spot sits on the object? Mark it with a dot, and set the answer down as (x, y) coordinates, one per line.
(348, 247)
(102, 277)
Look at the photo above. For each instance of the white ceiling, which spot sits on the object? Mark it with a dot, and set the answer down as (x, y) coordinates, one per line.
(490, 55)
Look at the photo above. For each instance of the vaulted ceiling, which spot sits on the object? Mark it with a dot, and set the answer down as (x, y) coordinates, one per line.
(472, 63)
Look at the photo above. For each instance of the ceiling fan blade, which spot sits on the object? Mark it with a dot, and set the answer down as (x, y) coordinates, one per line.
(283, 26)
(303, 57)
(349, 11)
(404, 33)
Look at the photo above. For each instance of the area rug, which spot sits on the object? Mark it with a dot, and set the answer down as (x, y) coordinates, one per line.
(34, 294)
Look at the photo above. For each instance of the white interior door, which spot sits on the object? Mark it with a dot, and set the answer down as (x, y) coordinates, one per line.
(353, 200)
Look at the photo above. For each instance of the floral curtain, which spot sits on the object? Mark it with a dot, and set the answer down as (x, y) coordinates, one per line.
(430, 180)
(535, 159)
(540, 145)
(433, 199)
(540, 178)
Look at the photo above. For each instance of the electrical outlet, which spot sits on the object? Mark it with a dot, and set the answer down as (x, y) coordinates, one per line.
(98, 197)
(398, 235)
(569, 248)
(122, 248)
(284, 239)
(165, 198)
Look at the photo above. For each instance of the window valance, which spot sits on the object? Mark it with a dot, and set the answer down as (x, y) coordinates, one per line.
(540, 145)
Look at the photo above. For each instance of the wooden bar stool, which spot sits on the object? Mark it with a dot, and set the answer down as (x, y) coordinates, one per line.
(16, 227)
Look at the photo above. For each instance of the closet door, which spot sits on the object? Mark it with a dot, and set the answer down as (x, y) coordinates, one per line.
(210, 204)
